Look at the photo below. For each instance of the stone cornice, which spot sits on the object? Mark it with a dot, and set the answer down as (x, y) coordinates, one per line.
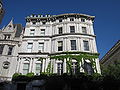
(56, 35)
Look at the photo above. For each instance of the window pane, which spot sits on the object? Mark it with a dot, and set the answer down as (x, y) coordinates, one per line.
(32, 31)
(1, 48)
(72, 29)
(25, 68)
(60, 45)
(41, 46)
(38, 68)
(60, 30)
(84, 30)
(73, 44)
(42, 31)
(86, 45)
(10, 50)
(59, 68)
(29, 47)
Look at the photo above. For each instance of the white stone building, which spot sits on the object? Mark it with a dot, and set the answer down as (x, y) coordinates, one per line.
(58, 44)
(10, 39)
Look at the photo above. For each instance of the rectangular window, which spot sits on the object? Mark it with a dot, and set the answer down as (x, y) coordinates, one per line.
(60, 68)
(86, 45)
(42, 32)
(32, 32)
(73, 44)
(25, 68)
(82, 20)
(72, 29)
(10, 50)
(41, 47)
(38, 68)
(60, 45)
(60, 30)
(1, 49)
(84, 30)
(29, 47)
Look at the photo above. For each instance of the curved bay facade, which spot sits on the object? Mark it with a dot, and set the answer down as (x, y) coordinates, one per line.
(58, 44)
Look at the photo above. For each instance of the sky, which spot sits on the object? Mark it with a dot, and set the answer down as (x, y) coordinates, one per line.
(106, 12)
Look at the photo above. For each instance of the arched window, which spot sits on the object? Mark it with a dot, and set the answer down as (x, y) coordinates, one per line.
(26, 67)
(88, 67)
(38, 68)
(59, 67)
(74, 66)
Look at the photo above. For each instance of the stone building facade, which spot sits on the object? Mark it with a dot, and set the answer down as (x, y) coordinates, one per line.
(58, 44)
(10, 39)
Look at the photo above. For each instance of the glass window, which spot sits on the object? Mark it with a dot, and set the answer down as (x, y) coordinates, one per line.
(74, 67)
(82, 20)
(59, 68)
(29, 47)
(38, 68)
(7, 36)
(84, 30)
(71, 19)
(88, 68)
(32, 32)
(72, 29)
(25, 68)
(10, 50)
(86, 45)
(1, 48)
(60, 20)
(60, 45)
(42, 32)
(34, 23)
(43, 22)
(41, 47)
(73, 44)
(60, 30)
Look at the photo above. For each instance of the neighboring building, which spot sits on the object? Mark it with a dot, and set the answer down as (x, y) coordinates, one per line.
(58, 44)
(1, 11)
(10, 40)
(112, 55)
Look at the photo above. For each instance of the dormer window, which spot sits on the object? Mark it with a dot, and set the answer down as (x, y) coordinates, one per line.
(71, 19)
(34, 23)
(43, 22)
(82, 20)
(7, 36)
(60, 20)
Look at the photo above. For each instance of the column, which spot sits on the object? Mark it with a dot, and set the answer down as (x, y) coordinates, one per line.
(30, 67)
(64, 66)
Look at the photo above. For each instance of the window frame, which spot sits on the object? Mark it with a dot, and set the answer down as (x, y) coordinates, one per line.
(86, 45)
(60, 48)
(72, 29)
(73, 45)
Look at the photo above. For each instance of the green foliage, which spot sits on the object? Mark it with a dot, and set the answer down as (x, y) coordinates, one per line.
(16, 75)
(112, 70)
(30, 74)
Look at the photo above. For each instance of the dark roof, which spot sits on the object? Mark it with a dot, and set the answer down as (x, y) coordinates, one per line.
(111, 52)
(18, 30)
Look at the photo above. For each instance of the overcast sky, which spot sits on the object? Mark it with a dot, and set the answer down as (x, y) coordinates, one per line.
(106, 12)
